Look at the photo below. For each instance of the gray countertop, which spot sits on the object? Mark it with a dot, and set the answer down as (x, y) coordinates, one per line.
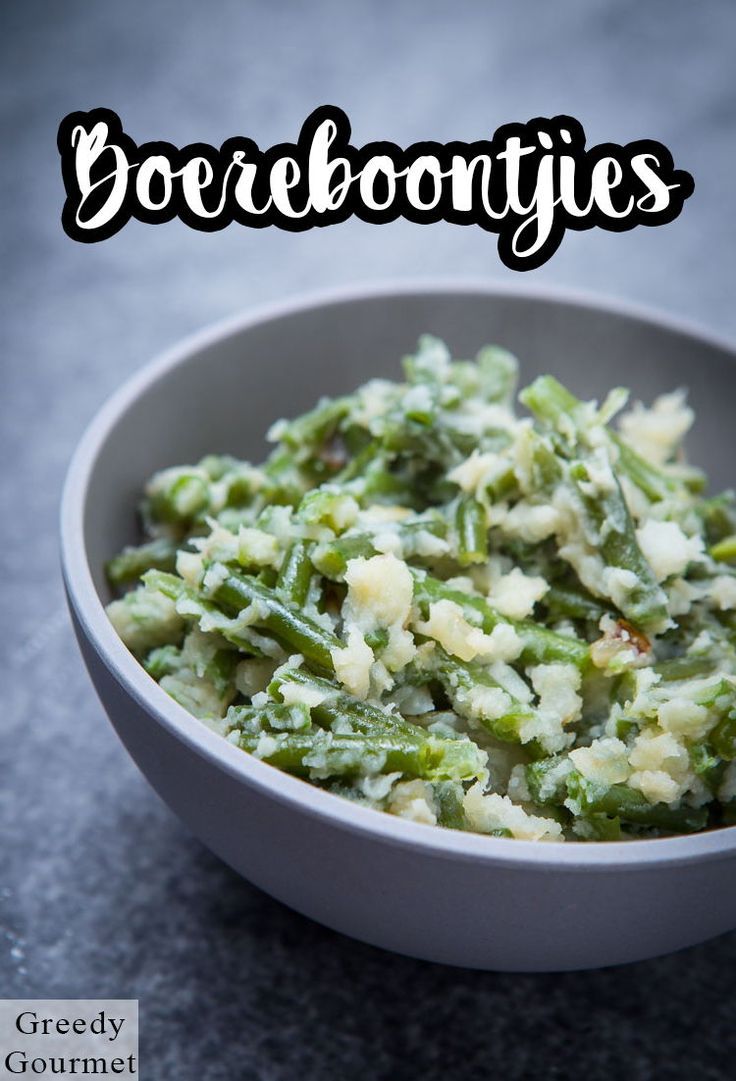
(103, 892)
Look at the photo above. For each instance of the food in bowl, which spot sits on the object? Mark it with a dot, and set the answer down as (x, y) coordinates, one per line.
(519, 626)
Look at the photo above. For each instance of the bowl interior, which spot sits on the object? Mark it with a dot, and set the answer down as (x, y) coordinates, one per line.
(222, 393)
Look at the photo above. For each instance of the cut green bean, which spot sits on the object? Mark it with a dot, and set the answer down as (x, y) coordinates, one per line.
(296, 572)
(651, 481)
(327, 754)
(628, 804)
(500, 712)
(566, 602)
(539, 645)
(178, 495)
(133, 562)
(725, 550)
(645, 603)
(332, 708)
(552, 403)
(686, 667)
(449, 798)
(472, 532)
(286, 621)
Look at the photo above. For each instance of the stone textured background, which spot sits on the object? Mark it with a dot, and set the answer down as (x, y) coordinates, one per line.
(103, 892)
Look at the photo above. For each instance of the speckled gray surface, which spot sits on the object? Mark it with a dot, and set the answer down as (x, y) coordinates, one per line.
(103, 892)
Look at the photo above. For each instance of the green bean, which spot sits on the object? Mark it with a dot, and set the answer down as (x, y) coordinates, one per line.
(162, 661)
(377, 638)
(554, 404)
(326, 506)
(405, 437)
(630, 805)
(171, 585)
(606, 511)
(718, 694)
(331, 558)
(454, 760)
(424, 414)
(626, 727)
(551, 402)
(546, 781)
(296, 571)
(178, 495)
(221, 669)
(285, 621)
(546, 469)
(567, 602)
(241, 488)
(217, 465)
(381, 485)
(504, 486)
(472, 531)
(646, 603)
(707, 765)
(601, 827)
(718, 517)
(134, 561)
(498, 370)
(328, 754)
(647, 478)
(285, 481)
(143, 622)
(366, 457)
(314, 427)
(725, 550)
(461, 679)
(685, 667)
(338, 708)
(177, 589)
(723, 736)
(273, 716)
(539, 645)
(449, 798)
(692, 479)
(336, 755)
(425, 367)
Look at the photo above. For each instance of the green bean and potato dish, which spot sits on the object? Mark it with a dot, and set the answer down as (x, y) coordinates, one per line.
(518, 624)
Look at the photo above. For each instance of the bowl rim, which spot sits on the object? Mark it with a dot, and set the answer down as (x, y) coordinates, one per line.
(299, 795)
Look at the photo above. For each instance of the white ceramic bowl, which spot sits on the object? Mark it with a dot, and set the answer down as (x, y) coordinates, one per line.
(446, 896)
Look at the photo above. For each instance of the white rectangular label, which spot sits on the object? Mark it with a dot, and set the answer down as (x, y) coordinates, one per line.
(76, 1036)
